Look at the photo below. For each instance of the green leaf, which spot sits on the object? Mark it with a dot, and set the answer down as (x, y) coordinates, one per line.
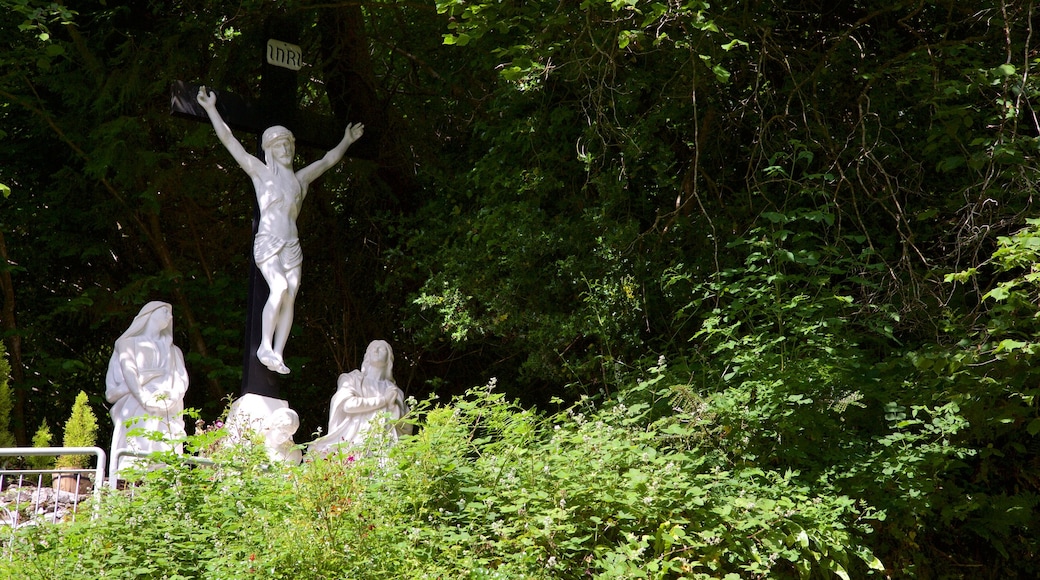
(962, 276)
(736, 42)
(999, 293)
(1005, 70)
(721, 73)
(1009, 345)
(1034, 427)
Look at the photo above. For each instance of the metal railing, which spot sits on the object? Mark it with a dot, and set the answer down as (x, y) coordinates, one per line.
(29, 498)
(118, 454)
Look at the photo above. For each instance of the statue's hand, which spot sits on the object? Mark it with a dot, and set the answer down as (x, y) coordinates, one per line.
(206, 98)
(354, 132)
(393, 394)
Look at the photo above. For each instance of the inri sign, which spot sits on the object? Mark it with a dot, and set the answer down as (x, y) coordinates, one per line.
(283, 54)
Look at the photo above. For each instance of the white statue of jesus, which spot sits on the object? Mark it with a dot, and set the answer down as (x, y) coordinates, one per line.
(279, 193)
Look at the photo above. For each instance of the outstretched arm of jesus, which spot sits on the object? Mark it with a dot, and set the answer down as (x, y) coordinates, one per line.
(308, 174)
(248, 162)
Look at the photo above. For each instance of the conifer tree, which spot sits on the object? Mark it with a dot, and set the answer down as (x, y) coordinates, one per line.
(80, 431)
(42, 438)
(6, 437)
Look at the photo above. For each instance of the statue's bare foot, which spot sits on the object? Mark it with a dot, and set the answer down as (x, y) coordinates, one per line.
(272, 361)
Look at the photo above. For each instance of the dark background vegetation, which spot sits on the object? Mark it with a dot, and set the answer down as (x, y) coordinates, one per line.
(808, 209)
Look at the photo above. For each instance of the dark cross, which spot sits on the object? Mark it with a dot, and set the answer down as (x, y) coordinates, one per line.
(277, 106)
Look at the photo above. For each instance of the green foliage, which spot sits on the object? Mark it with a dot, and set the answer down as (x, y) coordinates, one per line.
(42, 438)
(6, 404)
(485, 490)
(970, 441)
(609, 493)
(180, 521)
(546, 251)
(766, 193)
(80, 431)
(781, 364)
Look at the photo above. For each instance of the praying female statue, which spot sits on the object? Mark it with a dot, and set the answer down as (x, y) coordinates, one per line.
(366, 405)
(279, 194)
(146, 383)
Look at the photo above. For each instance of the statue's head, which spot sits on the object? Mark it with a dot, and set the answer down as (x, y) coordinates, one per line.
(275, 134)
(140, 325)
(283, 420)
(380, 355)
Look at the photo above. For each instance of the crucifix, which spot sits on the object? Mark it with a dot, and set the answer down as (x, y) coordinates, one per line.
(277, 259)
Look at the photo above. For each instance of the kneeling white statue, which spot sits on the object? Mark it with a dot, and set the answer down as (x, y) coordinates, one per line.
(146, 383)
(366, 405)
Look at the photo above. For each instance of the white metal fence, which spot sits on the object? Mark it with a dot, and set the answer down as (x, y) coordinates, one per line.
(54, 494)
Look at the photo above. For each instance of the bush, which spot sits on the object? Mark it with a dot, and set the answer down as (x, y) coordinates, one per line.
(80, 431)
(6, 404)
(42, 438)
(485, 490)
(610, 494)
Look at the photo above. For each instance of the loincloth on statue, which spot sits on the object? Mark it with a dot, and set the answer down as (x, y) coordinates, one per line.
(289, 252)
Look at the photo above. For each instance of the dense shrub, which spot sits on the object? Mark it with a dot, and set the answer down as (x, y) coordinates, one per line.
(484, 490)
